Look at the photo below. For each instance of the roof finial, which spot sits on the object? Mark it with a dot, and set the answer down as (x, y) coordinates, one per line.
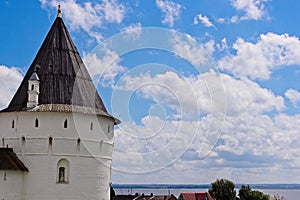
(58, 11)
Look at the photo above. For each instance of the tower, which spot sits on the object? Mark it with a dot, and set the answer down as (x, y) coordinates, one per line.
(33, 90)
(56, 134)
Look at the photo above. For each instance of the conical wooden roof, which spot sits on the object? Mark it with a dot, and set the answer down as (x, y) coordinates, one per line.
(64, 79)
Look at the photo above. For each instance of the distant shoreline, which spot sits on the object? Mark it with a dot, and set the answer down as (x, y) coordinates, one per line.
(203, 186)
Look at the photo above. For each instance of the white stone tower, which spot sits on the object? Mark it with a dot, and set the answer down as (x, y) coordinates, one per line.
(33, 90)
(56, 134)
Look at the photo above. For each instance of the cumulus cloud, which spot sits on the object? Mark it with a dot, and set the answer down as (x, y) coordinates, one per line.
(254, 9)
(170, 9)
(187, 47)
(272, 137)
(88, 16)
(258, 60)
(247, 137)
(105, 67)
(246, 10)
(203, 19)
(269, 143)
(133, 31)
(206, 93)
(113, 11)
(10, 79)
(293, 96)
(159, 144)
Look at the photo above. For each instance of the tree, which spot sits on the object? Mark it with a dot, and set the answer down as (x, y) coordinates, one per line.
(257, 195)
(278, 197)
(222, 189)
(245, 193)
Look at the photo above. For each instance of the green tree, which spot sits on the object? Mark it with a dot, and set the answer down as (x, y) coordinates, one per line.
(222, 189)
(257, 195)
(245, 193)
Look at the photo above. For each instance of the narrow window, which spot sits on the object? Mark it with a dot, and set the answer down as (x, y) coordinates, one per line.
(50, 141)
(4, 176)
(23, 139)
(50, 145)
(32, 87)
(36, 122)
(3, 142)
(78, 144)
(13, 124)
(108, 129)
(66, 123)
(91, 126)
(63, 168)
(23, 145)
(61, 174)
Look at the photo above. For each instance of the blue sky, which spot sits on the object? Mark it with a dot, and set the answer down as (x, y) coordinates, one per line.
(205, 89)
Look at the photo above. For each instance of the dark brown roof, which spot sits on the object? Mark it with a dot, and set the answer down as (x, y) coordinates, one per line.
(10, 161)
(64, 79)
(124, 197)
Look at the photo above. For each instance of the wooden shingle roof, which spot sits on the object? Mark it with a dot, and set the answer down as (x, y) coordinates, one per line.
(64, 79)
(10, 161)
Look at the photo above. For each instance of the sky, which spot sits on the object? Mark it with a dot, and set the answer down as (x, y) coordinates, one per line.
(205, 89)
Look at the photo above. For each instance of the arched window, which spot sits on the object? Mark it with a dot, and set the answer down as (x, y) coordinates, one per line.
(13, 124)
(36, 122)
(66, 123)
(61, 174)
(91, 126)
(32, 87)
(63, 171)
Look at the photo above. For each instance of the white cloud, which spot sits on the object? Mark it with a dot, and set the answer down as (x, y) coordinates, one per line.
(10, 79)
(234, 19)
(272, 138)
(186, 47)
(106, 68)
(206, 93)
(293, 96)
(88, 16)
(133, 31)
(223, 45)
(254, 9)
(253, 144)
(249, 140)
(203, 19)
(113, 11)
(170, 9)
(155, 145)
(221, 20)
(259, 60)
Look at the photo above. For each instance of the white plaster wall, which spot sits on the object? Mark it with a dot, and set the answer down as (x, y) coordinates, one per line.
(12, 185)
(89, 157)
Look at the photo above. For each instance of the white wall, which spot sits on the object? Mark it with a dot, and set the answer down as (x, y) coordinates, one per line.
(90, 159)
(12, 185)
